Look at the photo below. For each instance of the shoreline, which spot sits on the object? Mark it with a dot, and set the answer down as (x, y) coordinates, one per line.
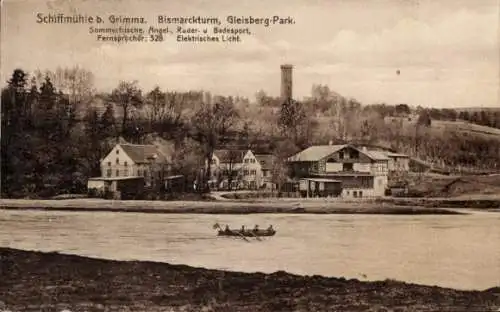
(292, 206)
(32, 280)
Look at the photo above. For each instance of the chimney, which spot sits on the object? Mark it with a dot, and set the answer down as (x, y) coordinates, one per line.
(286, 81)
(364, 149)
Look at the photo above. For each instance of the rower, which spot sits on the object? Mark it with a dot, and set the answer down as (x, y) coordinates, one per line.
(270, 228)
(256, 228)
(227, 229)
(242, 228)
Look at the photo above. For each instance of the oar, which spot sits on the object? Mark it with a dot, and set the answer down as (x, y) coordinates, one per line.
(254, 235)
(243, 236)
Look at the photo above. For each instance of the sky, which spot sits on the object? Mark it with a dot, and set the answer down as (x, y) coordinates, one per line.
(447, 51)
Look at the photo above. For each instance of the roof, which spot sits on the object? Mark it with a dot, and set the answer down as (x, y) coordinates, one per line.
(376, 155)
(322, 180)
(315, 153)
(318, 152)
(142, 154)
(397, 155)
(115, 178)
(230, 155)
(266, 161)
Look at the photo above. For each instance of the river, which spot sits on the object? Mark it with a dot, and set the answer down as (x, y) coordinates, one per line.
(458, 251)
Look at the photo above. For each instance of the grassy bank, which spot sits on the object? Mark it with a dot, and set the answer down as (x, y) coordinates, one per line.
(224, 207)
(35, 281)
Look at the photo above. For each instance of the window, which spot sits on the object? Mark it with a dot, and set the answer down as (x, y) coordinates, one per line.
(125, 164)
(341, 155)
(360, 193)
(246, 161)
(117, 172)
(252, 161)
(253, 172)
(245, 172)
(214, 161)
(347, 167)
(355, 154)
(108, 173)
(117, 151)
(125, 172)
(139, 172)
(355, 193)
(117, 161)
(109, 163)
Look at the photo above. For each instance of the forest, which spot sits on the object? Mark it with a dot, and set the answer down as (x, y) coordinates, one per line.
(56, 127)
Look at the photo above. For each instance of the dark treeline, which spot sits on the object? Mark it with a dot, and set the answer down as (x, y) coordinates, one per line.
(56, 129)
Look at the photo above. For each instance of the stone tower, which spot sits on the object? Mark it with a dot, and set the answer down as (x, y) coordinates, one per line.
(286, 81)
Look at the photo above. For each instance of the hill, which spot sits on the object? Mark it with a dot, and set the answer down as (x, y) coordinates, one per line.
(466, 128)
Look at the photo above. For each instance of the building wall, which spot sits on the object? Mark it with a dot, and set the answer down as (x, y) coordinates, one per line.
(96, 184)
(380, 184)
(252, 171)
(360, 193)
(249, 172)
(117, 164)
(380, 168)
(399, 164)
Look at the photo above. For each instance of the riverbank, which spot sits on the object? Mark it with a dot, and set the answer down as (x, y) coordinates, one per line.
(308, 206)
(34, 281)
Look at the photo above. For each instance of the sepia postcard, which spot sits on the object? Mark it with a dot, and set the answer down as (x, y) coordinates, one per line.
(300, 155)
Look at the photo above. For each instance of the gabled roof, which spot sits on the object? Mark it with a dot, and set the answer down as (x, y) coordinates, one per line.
(266, 161)
(141, 154)
(318, 152)
(230, 155)
(315, 153)
(376, 155)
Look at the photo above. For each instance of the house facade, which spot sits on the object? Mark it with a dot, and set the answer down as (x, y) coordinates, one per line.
(240, 169)
(129, 168)
(134, 160)
(398, 162)
(360, 172)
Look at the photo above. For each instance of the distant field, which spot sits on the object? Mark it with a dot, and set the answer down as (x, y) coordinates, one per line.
(462, 126)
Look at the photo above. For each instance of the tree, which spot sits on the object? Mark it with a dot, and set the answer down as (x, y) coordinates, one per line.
(128, 96)
(229, 171)
(75, 82)
(211, 123)
(293, 120)
(402, 109)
